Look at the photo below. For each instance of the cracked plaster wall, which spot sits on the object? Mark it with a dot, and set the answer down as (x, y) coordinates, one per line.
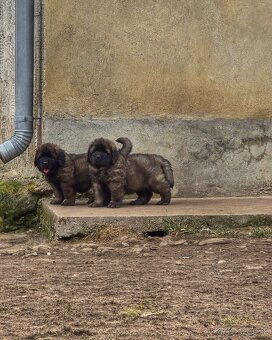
(209, 158)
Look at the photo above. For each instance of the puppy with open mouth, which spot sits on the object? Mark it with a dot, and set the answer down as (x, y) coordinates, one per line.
(120, 173)
(66, 173)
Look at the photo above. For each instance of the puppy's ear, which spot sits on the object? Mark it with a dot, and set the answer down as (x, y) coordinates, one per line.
(114, 156)
(37, 156)
(61, 157)
(90, 151)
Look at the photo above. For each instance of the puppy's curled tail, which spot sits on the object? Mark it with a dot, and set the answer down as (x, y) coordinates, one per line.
(127, 146)
(167, 169)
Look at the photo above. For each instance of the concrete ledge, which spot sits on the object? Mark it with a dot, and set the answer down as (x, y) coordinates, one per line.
(61, 222)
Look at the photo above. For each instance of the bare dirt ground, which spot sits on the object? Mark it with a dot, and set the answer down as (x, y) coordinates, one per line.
(170, 288)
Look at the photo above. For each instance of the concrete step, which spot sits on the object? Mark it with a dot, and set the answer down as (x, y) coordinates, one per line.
(63, 222)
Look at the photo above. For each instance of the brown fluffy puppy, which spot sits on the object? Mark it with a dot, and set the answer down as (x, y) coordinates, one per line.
(66, 173)
(120, 173)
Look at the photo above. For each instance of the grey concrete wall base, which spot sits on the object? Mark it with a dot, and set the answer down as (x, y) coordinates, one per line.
(209, 157)
(65, 222)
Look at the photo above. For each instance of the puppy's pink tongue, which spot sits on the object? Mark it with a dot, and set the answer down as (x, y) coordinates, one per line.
(46, 171)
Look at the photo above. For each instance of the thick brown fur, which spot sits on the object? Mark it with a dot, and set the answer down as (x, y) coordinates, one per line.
(143, 174)
(70, 173)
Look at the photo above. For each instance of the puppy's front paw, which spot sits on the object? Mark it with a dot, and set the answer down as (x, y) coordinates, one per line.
(95, 204)
(67, 202)
(114, 204)
(137, 202)
(162, 203)
(56, 201)
(90, 201)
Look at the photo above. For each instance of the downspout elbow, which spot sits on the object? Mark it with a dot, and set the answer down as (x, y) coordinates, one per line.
(16, 145)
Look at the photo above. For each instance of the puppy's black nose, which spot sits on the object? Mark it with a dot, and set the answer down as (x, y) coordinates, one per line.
(97, 157)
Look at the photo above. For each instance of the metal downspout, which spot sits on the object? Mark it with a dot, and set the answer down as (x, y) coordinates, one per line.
(24, 61)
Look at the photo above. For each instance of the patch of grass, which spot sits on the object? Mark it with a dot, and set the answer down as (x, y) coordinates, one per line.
(261, 232)
(231, 321)
(107, 233)
(259, 221)
(17, 205)
(31, 187)
(46, 222)
(132, 312)
(180, 228)
(219, 228)
(183, 229)
(236, 302)
(10, 187)
(140, 311)
(228, 232)
(67, 309)
(3, 308)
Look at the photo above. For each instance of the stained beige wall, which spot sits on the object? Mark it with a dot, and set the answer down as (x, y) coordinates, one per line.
(191, 58)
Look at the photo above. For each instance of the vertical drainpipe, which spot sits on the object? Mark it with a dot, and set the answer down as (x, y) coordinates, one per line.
(24, 65)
